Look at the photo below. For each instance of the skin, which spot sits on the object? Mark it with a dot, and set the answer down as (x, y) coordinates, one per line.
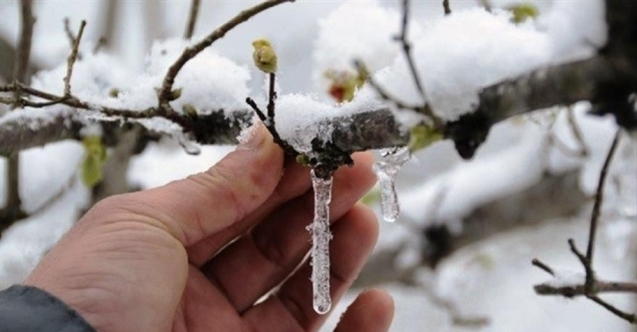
(165, 260)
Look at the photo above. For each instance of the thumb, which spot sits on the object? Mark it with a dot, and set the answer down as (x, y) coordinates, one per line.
(204, 203)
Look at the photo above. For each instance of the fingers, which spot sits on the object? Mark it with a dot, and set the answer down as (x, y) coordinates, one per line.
(257, 262)
(295, 182)
(354, 238)
(205, 203)
(372, 311)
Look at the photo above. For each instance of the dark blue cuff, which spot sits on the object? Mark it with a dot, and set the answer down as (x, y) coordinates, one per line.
(30, 309)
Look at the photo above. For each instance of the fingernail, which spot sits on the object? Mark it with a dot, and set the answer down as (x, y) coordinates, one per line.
(252, 137)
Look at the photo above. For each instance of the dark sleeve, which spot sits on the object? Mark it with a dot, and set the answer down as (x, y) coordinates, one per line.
(30, 309)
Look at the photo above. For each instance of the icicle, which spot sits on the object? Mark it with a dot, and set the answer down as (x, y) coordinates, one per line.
(386, 171)
(321, 236)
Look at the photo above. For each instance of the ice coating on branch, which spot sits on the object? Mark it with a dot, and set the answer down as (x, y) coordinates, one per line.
(321, 236)
(386, 170)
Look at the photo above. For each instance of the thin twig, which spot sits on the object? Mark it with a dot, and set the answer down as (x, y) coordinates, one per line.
(271, 97)
(580, 290)
(592, 286)
(445, 5)
(425, 110)
(361, 67)
(69, 33)
(576, 131)
(192, 19)
(543, 266)
(406, 47)
(24, 45)
(599, 197)
(632, 318)
(70, 61)
(73, 101)
(268, 122)
(590, 274)
(12, 210)
(164, 95)
(256, 109)
(402, 38)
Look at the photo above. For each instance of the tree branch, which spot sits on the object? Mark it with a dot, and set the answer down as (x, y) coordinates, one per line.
(406, 47)
(12, 210)
(580, 290)
(164, 95)
(446, 7)
(556, 85)
(364, 131)
(24, 45)
(599, 200)
(192, 18)
(70, 61)
(591, 286)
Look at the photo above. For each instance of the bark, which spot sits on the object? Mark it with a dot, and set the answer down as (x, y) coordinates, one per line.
(12, 210)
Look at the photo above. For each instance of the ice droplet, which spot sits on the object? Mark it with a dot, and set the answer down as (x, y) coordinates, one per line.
(321, 236)
(386, 171)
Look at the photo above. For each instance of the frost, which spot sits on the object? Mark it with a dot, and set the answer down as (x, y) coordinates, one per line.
(321, 236)
(386, 171)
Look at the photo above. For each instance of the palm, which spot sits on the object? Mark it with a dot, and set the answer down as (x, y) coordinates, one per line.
(198, 254)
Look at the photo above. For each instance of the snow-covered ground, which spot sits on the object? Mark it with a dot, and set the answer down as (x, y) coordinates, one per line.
(456, 56)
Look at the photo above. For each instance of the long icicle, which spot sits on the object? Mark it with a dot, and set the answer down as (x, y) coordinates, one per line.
(321, 236)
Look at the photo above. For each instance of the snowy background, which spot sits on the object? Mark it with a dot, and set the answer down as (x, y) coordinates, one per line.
(456, 56)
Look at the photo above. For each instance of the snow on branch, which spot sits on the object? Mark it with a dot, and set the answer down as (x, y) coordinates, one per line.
(563, 84)
(556, 85)
(588, 284)
(165, 93)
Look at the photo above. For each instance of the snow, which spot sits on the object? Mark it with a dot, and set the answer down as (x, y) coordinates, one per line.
(575, 29)
(356, 30)
(57, 172)
(208, 82)
(24, 243)
(300, 118)
(494, 279)
(458, 55)
(165, 161)
(453, 195)
(566, 278)
(509, 162)
(321, 236)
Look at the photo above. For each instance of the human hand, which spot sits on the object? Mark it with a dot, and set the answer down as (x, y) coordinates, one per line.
(165, 260)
